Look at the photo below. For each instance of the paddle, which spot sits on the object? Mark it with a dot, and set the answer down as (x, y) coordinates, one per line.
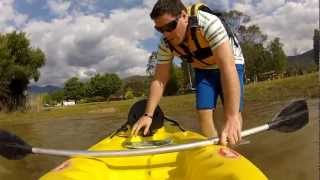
(291, 118)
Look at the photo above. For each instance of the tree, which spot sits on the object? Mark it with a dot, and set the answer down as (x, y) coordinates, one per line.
(137, 86)
(6, 63)
(129, 94)
(258, 59)
(235, 19)
(152, 62)
(57, 96)
(173, 85)
(103, 85)
(73, 89)
(187, 77)
(251, 34)
(279, 58)
(19, 64)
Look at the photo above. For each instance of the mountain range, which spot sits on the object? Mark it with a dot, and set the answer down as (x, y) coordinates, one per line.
(304, 60)
(43, 89)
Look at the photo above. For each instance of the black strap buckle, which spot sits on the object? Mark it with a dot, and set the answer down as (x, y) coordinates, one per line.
(187, 58)
(193, 22)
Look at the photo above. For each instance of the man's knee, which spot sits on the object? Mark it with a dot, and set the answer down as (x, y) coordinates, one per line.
(205, 114)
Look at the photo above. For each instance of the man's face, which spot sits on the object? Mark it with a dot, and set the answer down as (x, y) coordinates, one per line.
(172, 27)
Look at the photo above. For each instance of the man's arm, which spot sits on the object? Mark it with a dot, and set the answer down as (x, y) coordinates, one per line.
(157, 87)
(231, 92)
(223, 55)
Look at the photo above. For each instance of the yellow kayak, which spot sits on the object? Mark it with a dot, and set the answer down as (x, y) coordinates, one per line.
(210, 162)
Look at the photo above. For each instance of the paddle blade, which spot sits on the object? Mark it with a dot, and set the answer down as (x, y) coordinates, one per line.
(292, 117)
(12, 147)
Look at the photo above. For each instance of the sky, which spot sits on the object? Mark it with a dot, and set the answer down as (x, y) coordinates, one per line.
(84, 37)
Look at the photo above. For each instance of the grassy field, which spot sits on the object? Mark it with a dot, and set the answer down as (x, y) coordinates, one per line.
(256, 95)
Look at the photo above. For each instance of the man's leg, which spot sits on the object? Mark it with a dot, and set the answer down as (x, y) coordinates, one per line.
(240, 70)
(240, 118)
(206, 100)
(205, 117)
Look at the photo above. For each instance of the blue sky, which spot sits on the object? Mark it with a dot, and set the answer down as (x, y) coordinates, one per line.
(84, 37)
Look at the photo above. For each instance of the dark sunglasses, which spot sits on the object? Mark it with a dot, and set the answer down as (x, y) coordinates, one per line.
(168, 27)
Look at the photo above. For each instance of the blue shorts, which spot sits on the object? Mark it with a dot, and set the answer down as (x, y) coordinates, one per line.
(208, 87)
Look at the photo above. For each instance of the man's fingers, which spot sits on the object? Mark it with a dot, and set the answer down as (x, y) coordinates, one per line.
(146, 129)
(236, 138)
(239, 136)
(223, 139)
(135, 129)
(231, 140)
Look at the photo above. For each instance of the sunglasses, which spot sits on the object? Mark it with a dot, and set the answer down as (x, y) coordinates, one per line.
(168, 27)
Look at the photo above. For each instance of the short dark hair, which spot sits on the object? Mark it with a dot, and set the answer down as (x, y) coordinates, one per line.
(172, 7)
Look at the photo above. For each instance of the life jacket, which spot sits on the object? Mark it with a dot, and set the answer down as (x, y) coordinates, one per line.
(198, 47)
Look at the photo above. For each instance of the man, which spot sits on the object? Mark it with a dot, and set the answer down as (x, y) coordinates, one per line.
(218, 65)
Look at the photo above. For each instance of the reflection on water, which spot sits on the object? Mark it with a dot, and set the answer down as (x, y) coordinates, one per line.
(62, 134)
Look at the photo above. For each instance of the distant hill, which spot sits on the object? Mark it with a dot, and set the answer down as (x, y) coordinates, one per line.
(42, 89)
(304, 60)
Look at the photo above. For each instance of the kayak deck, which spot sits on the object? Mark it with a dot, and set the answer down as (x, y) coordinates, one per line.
(210, 162)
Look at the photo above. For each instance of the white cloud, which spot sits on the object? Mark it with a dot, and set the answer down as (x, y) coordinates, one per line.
(9, 17)
(292, 21)
(85, 44)
(20, 19)
(218, 4)
(59, 7)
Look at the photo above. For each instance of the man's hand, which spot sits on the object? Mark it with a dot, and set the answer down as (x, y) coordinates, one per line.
(145, 122)
(231, 132)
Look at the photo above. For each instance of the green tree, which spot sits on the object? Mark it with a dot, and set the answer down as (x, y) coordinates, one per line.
(235, 19)
(129, 94)
(186, 79)
(257, 57)
(103, 85)
(73, 89)
(136, 84)
(251, 34)
(173, 85)
(279, 58)
(57, 96)
(47, 99)
(257, 60)
(152, 62)
(19, 64)
(53, 98)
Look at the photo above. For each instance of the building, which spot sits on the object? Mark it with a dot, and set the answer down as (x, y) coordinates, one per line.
(69, 103)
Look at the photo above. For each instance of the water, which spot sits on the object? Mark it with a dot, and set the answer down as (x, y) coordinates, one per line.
(63, 134)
